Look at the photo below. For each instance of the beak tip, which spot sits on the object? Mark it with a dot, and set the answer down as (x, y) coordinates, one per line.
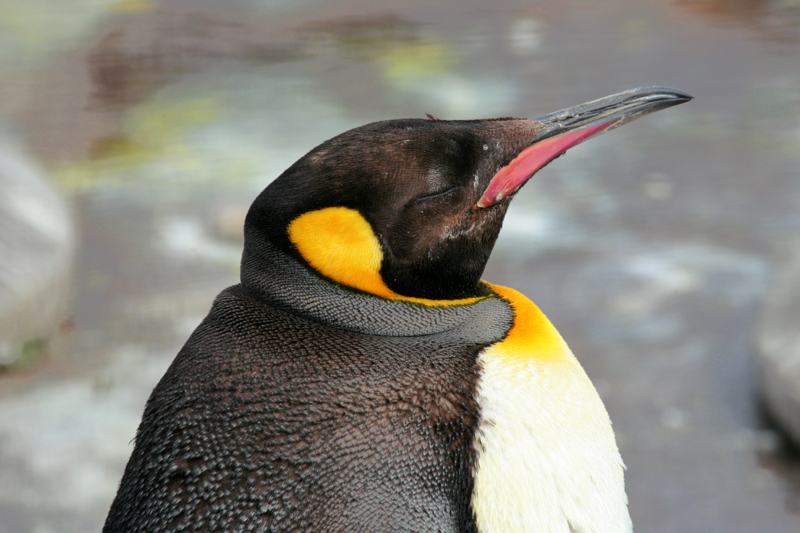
(676, 94)
(664, 94)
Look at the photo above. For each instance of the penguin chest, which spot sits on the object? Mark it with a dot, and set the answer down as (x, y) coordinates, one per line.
(547, 460)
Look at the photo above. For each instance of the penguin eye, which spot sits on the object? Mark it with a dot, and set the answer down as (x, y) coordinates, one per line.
(439, 195)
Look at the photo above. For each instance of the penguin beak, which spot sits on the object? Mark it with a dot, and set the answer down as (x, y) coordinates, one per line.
(560, 131)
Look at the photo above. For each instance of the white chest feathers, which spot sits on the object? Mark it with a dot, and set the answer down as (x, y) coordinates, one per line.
(547, 460)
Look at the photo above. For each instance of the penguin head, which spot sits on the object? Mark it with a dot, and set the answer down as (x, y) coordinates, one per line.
(412, 208)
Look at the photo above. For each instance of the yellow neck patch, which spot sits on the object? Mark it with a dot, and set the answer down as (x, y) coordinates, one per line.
(339, 244)
(532, 336)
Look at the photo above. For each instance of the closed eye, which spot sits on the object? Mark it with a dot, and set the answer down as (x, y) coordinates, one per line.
(440, 194)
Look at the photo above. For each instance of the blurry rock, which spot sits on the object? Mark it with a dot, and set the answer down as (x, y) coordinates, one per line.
(778, 355)
(230, 221)
(525, 36)
(37, 249)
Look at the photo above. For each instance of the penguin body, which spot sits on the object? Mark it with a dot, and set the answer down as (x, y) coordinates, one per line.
(305, 427)
(362, 378)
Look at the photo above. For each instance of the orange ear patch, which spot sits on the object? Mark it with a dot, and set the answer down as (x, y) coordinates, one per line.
(340, 244)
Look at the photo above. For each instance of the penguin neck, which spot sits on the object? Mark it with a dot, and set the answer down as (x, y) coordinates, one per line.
(283, 281)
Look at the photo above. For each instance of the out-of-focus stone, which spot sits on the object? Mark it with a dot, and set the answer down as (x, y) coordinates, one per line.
(778, 356)
(37, 249)
(230, 221)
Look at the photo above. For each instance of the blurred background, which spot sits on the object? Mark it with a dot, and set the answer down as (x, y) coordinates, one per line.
(135, 133)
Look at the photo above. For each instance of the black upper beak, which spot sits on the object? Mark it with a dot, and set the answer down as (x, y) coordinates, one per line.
(559, 131)
(619, 109)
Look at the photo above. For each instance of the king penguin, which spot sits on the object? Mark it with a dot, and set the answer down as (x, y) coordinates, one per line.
(362, 377)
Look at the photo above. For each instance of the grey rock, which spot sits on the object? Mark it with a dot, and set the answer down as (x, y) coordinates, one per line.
(37, 250)
(778, 342)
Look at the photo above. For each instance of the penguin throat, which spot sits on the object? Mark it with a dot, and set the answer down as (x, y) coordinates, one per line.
(336, 282)
(339, 244)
